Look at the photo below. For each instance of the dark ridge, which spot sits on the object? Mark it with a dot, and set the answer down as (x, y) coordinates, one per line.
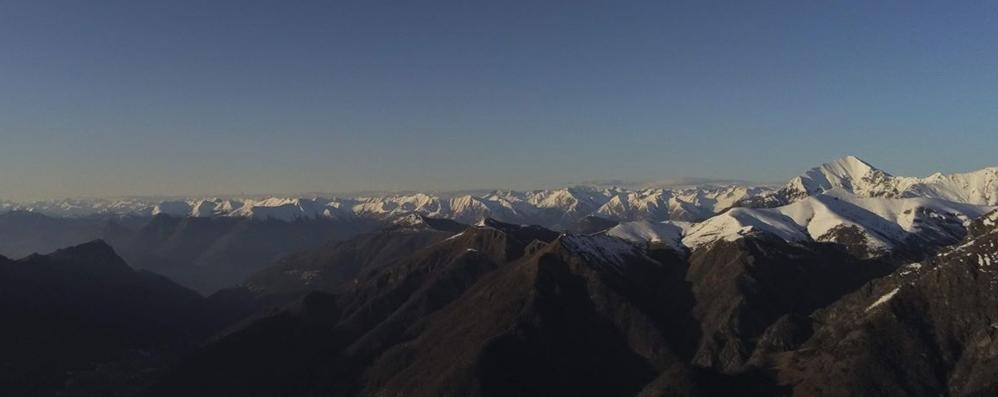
(81, 321)
(95, 250)
(439, 224)
(983, 225)
(743, 287)
(926, 329)
(593, 224)
(525, 233)
(461, 317)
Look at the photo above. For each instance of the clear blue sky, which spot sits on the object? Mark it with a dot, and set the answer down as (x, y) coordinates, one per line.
(190, 97)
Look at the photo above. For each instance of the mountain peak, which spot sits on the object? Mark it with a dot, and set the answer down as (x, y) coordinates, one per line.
(95, 247)
(417, 221)
(411, 220)
(525, 233)
(93, 256)
(849, 173)
(854, 159)
(850, 165)
(92, 249)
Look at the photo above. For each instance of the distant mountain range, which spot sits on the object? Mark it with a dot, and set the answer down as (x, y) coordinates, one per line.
(560, 207)
(541, 206)
(204, 254)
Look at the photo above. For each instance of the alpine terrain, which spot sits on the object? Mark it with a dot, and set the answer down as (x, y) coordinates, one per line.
(844, 281)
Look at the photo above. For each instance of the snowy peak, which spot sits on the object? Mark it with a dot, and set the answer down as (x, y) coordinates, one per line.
(743, 222)
(411, 220)
(469, 208)
(668, 233)
(869, 226)
(976, 187)
(570, 200)
(650, 205)
(550, 208)
(562, 208)
(851, 167)
(849, 173)
(420, 222)
(857, 177)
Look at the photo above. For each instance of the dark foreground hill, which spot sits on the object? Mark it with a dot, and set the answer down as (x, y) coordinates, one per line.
(496, 310)
(428, 308)
(82, 314)
(501, 309)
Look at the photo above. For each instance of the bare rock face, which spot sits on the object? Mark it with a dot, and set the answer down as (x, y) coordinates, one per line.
(930, 328)
(745, 287)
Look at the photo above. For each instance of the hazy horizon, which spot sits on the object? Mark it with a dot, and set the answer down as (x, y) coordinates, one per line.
(627, 184)
(636, 184)
(192, 98)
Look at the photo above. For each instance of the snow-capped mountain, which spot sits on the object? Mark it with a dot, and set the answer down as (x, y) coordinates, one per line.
(81, 207)
(669, 233)
(848, 201)
(877, 225)
(741, 288)
(558, 207)
(882, 326)
(861, 179)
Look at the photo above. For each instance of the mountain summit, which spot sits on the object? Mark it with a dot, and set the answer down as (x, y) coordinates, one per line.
(849, 173)
(857, 177)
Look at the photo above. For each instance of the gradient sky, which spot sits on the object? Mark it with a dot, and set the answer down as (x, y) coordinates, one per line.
(107, 98)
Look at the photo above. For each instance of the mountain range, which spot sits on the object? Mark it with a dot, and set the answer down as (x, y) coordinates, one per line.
(500, 309)
(208, 244)
(845, 281)
(561, 208)
(553, 207)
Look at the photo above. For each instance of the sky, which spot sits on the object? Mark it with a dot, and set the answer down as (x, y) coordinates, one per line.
(112, 98)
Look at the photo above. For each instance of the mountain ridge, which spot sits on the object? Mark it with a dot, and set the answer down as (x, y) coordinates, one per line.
(560, 207)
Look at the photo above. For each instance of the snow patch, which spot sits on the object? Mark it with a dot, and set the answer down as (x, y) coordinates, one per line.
(884, 299)
(599, 248)
(911, 268)
(991, 219)
(740, 222)
(667, 232)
